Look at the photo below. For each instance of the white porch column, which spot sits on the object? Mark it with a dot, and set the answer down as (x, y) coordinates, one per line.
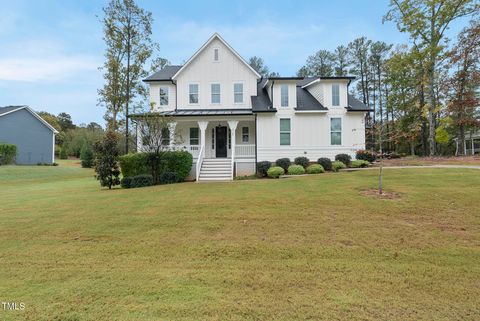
(232, 124)
(171, 131)
(203, 127)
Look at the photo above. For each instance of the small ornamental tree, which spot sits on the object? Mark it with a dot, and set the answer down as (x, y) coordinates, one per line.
(106, 165)
(86, 155)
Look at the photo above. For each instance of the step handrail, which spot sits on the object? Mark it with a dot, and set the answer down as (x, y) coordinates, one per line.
(199, 162)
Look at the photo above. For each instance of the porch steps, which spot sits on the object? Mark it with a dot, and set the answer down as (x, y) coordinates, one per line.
(216, 169)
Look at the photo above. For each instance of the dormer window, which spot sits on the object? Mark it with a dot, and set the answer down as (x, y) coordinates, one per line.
(335, 95)
(215, 54)
(284, 95)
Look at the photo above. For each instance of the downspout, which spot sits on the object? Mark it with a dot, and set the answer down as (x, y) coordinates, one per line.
(256, 160)
(271, 91)
(176, 93)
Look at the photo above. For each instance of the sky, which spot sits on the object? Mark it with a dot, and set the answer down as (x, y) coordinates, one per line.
(50, 51)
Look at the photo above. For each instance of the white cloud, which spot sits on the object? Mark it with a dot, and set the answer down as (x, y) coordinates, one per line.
(52, 68)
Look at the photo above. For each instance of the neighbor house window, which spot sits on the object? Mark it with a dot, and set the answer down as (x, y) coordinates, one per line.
(163, 96)
(284, 131)
(284, 95)
(335, 95)
(335, 131)
(245, 134)
(215, 54)
(215, 88)
(238, 93)
(194, 140)
(193, 93)
(165, 136)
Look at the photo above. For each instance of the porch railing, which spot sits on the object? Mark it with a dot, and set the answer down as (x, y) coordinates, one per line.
(192, 149)
(242, 151)
(199, 162)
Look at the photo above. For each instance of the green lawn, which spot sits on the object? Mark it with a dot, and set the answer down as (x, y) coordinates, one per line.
(307, 248)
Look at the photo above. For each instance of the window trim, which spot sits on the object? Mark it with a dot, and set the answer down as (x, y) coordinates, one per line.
(341, 130)
(281, 95)
(160, 95)
(198, 93)
(219, 93)
(247, 134)
(243, 92)
(338, 86)
(280, 132)
(197, 138)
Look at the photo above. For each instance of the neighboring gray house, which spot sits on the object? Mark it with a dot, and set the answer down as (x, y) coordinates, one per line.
(33, 136)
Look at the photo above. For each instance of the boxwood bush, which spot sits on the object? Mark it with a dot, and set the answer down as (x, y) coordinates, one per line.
(359, 163)
(7, 153)
(262, 168)
(296, 170)
(168, 178)
(137, 181)
(315, 169)
(302, 160)
(366, 155)
(134, 164)
(275, 171)
(326, 163)
(283, 163)
(337, 165)
(344, 158)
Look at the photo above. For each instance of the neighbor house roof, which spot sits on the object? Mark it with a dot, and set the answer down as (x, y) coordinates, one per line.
(11, 109)
(164, 74)
(356, 105)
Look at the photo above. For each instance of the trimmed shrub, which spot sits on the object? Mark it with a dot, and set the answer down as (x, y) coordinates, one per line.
(137, 181)
(326, 163)
(283, 163)
(179, 162)
(262, 167)
(337, 165)
(359, 163)
(302, 160)
(63, 153)
(7, 153)
(86, 155)
(296, 170)
(134, 164)
(344, 158)
(275, 171)
(315, 169)
(366, 155)
(168, 178)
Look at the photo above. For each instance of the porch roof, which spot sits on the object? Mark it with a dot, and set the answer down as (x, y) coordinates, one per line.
(200, 112)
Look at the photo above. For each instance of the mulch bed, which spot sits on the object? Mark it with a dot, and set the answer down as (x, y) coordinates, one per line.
(385, 194)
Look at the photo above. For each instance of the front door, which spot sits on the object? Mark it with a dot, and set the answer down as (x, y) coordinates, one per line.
(221, 141)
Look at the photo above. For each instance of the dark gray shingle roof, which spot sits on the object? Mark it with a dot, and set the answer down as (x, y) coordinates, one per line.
(165, 74)
(262, 102)
(6, 109)
(305, 101)
(356, 105)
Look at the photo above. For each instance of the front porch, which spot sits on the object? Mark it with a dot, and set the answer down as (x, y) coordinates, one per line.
(230, 140)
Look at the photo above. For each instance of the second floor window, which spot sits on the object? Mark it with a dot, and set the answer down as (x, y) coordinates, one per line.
(215, 88)
(335, 95)
(163, 96)
(284, 96)
(193, 93)
(238, 93)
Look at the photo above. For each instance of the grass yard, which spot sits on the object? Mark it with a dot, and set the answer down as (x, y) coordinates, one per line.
(307, 248)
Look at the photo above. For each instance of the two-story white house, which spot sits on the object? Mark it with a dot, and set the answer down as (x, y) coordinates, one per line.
(230, 118)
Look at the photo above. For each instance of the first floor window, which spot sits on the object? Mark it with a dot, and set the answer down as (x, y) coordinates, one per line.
(193, 93)
(245, 134)
(163, 96)
(165, 136)
(194, 140)
(285, 131)
(238, 93)
(335, 131)
(215, 88)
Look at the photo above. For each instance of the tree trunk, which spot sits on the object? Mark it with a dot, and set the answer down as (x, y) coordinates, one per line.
(461, 140)
(128, 87)
(412, 148)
